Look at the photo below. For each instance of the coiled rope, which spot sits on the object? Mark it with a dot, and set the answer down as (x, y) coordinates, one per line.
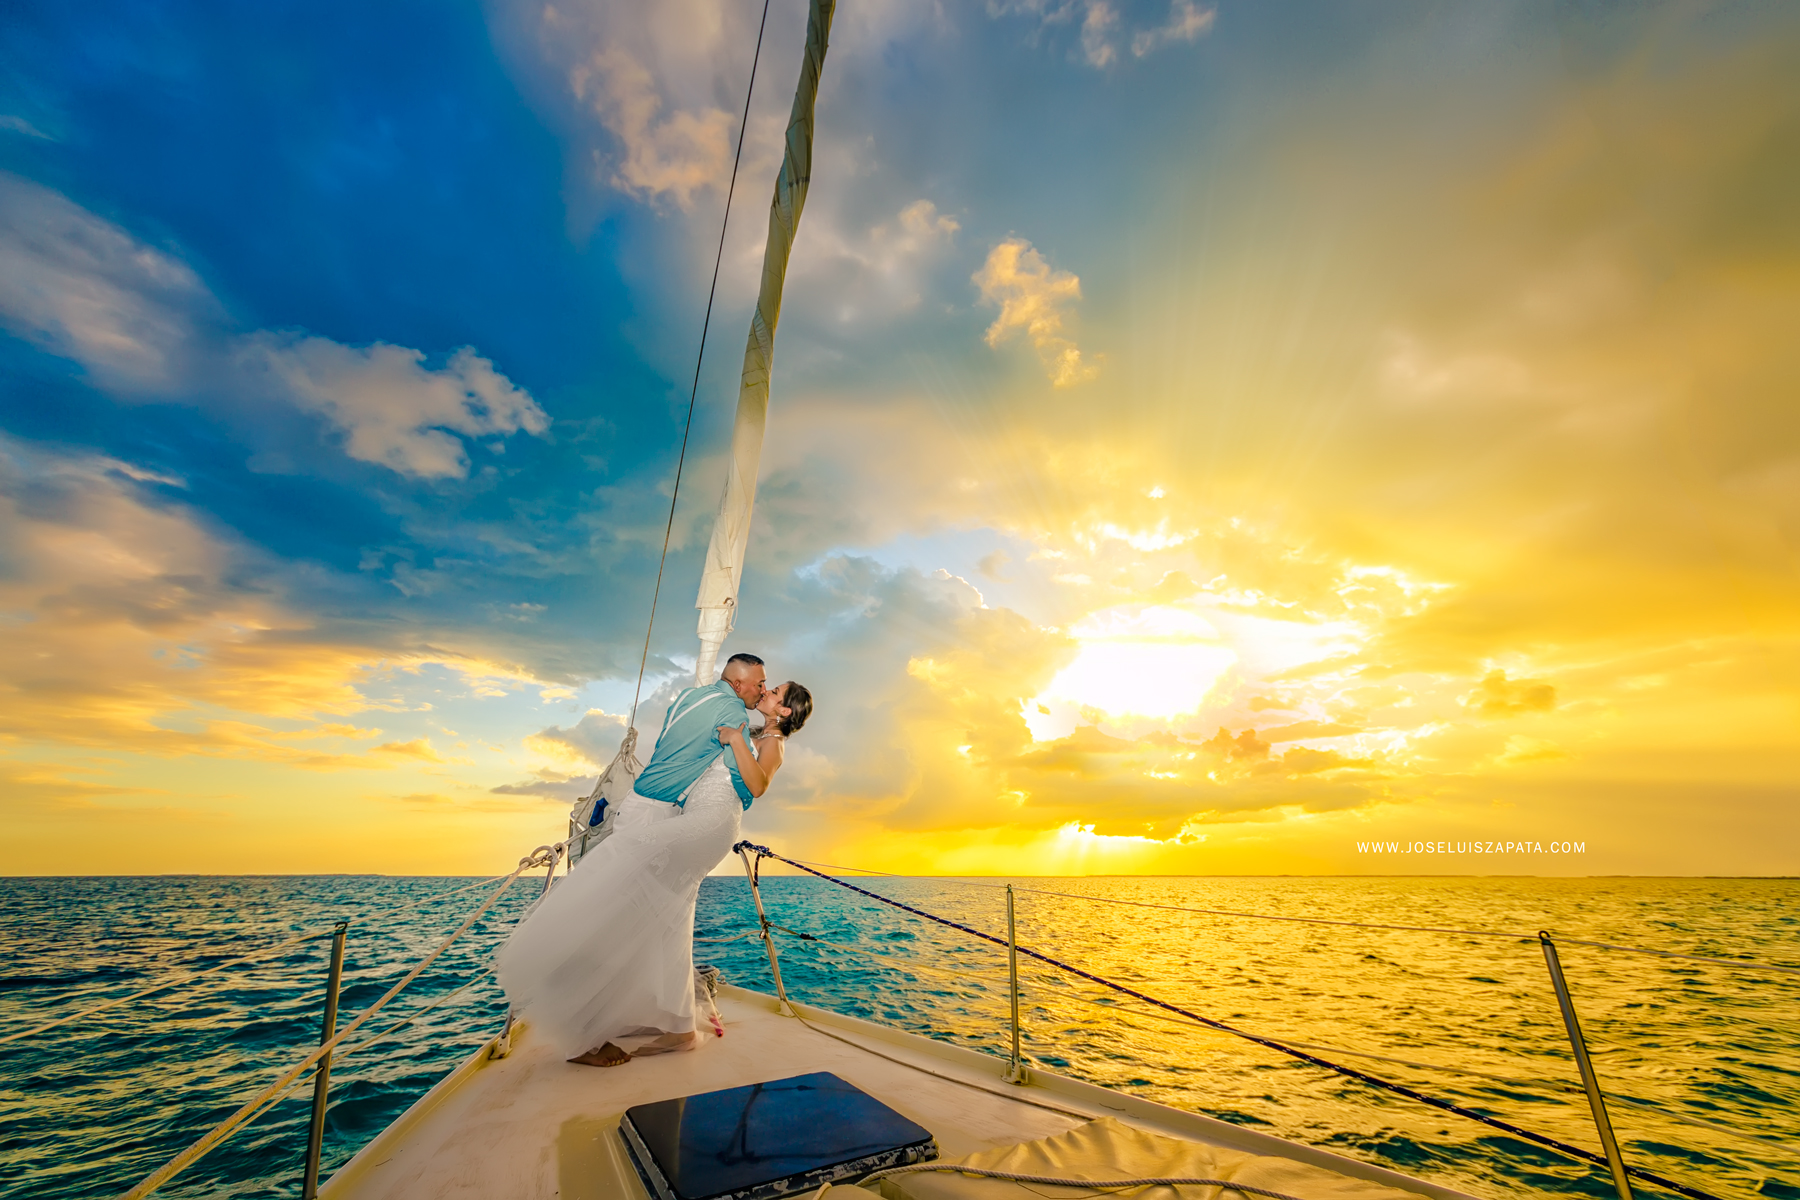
(1348, 1072)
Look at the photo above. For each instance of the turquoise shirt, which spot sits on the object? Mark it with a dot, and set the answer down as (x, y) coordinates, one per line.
(689, 742)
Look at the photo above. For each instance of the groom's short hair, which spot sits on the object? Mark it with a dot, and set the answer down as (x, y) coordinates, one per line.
(745, 658)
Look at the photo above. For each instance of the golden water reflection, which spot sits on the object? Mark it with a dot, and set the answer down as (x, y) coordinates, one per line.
(1670, 1039)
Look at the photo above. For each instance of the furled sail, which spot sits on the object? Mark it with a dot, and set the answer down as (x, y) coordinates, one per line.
(731, 529)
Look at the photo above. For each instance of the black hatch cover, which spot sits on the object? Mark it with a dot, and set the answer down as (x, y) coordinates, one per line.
(768, 1139)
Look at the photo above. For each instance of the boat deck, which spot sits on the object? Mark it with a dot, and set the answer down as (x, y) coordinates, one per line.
(531, 1126)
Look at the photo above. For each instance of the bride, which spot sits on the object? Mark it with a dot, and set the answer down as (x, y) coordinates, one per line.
(604, 965)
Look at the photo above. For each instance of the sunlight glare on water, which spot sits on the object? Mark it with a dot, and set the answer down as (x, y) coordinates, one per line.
(91, 1108)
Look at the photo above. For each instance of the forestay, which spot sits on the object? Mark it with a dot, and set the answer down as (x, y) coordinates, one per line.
(724, 566)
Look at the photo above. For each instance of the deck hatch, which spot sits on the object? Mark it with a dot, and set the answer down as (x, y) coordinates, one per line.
(768, 1139)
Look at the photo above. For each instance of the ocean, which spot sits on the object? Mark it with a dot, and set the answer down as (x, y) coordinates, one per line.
(1702, 1062)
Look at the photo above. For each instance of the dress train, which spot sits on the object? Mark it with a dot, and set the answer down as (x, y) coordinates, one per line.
(608, 954)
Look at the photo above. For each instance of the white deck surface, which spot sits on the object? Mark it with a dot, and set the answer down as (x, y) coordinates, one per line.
(532, 1126)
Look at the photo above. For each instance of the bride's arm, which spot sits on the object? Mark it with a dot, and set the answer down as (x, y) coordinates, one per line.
(755, 777)
(770, 750)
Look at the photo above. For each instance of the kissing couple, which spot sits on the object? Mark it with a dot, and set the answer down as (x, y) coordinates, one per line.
(604, 965)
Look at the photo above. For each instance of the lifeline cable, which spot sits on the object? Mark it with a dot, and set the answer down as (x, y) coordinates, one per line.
(1347, 1072)
(173, 981)
(1745, 964)
(694, 392)
(267, 1097)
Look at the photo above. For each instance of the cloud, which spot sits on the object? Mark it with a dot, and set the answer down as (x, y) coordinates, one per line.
(849, 274)
(82, 288)
(17, 124)
(1412, 372)
(923, 224)
(1304, 760)
(419, 749)
(1245, 747)
(393, 409)
(673, 155)
(992, 564)
(1523, 749)
(550, 785)
(131, 623)
(1498, 696)
(591, 742)
(1096, 26)
(143, 324)
(1100, 22)
(1186, 22)
(1034, 298)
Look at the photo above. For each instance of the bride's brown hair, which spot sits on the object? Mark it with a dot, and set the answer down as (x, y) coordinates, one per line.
(798, 701)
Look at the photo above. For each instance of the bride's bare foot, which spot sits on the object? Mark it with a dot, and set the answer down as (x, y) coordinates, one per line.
(608, 1055)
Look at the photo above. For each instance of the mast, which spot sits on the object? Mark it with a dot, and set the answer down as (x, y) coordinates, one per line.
(724, 566)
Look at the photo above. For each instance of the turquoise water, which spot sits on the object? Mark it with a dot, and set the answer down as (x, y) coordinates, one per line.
(90, 1108)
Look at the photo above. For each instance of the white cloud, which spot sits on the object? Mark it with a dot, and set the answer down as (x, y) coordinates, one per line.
(143, 324)
(1096, 46)
(16, 124)
(1411, 370)
(923, 224)
(1101, 22)
(1186, 22)
(393, 408)
(673, 155)
(83, 288)
(1033, 298)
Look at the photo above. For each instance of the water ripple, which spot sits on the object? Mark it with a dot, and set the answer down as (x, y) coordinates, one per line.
(90, 1108)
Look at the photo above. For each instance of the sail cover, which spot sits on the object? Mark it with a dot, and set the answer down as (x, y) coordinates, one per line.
(731, 530)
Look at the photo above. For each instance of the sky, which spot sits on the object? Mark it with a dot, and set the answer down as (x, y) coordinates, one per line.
(1237, 438)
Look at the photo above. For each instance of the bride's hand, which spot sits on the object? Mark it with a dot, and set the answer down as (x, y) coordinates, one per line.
(730, 735)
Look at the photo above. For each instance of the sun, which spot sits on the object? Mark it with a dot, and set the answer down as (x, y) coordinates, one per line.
(1137, 661)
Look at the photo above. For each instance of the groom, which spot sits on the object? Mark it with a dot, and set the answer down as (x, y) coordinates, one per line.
(689, 740)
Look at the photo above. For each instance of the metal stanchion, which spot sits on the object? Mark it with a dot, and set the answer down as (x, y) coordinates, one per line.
(315, 1134)
(1589, 1080)
(786, 1009)
(1015, 1073)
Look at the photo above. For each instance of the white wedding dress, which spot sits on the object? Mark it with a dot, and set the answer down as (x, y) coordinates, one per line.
(608, 954)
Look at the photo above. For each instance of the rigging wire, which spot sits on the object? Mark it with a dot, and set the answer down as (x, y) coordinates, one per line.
(1182, 1022)
(694, 392)
(1740, 963)
(172, 981)
(1303, 1056)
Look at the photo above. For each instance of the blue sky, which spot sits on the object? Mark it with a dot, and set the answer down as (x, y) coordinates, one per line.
(347, 350)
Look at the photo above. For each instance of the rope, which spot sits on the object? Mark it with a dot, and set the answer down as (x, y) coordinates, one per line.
(423, 1012)
(1743, 963)
(694, 392)
(807, 937)
(1548, 1085)
(975, 1087)
(268, 1095)
(1094, 1184)
(1303, 1056)
(165, 985)
(251, 957)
